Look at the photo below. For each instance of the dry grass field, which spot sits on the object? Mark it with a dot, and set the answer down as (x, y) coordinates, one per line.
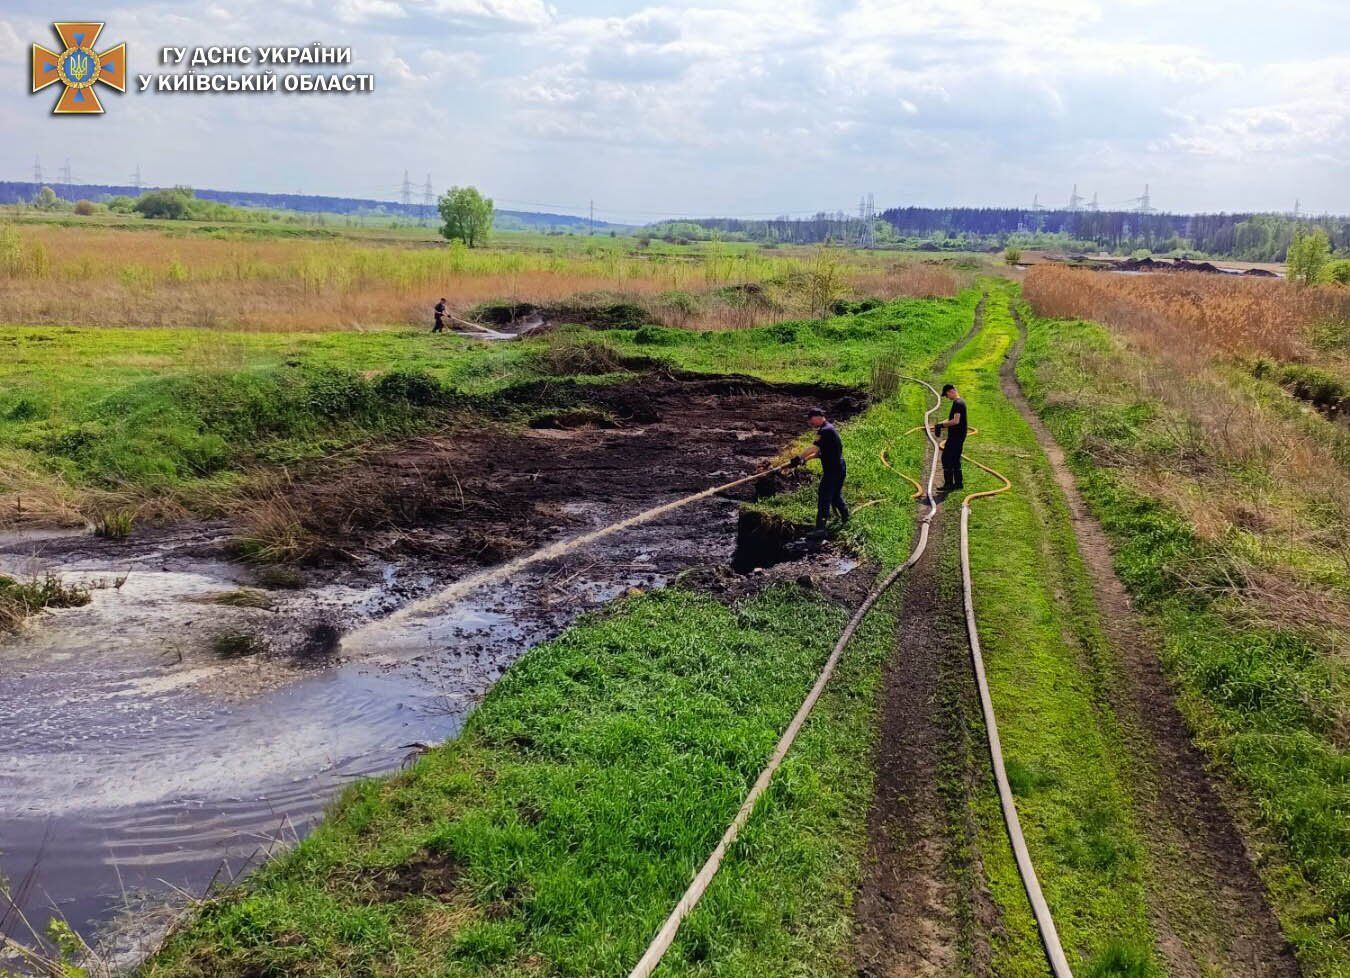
(112, 277)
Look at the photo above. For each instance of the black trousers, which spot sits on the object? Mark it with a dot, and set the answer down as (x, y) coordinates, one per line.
(831, 495)
(951, 461)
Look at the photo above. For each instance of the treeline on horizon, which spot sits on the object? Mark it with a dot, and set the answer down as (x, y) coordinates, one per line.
(1251, 237)
(21, 192)
(1246, 236)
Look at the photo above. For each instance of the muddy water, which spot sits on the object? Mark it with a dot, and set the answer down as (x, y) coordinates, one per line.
(136, 765)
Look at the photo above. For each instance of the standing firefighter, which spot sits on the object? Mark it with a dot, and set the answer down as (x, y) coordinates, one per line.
(956, 439)
(440, 317)
(830, 450)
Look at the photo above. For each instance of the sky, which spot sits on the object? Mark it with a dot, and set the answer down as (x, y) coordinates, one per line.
(730, 107)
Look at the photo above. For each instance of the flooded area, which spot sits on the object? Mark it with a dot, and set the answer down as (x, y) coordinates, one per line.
(189, 720)
(136, 760)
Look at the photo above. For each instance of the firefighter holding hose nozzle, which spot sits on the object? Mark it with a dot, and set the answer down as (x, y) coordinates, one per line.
(956, 439)
(829, 448)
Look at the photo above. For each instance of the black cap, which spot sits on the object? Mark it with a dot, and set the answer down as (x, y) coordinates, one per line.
(816, 412)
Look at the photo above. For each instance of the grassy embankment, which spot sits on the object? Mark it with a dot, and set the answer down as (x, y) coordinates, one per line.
(1226, 502)
(554, 834)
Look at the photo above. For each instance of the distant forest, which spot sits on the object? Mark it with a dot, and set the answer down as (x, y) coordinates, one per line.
(1252, 237)
(19, 192)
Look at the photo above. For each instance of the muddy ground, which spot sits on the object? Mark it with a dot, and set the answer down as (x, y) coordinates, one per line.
(144, 751)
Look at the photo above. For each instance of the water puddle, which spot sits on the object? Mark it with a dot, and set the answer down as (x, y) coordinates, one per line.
(138, 765)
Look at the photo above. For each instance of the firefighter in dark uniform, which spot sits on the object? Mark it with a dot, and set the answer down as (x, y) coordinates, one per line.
(829, 448)
(440, 317)
(956, 426)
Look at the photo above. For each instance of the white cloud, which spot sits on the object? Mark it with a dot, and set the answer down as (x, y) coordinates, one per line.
(703, 105)
(11, 51)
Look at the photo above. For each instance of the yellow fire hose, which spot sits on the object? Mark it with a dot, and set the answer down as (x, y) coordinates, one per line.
(694, 892)
(1045, 923)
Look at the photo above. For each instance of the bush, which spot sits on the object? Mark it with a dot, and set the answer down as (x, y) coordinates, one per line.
(416, 387)
(170, 205)
(84, 208)
(1307, 259)
(1012, 255)
(843, 307)
(660, 336)
(567, 356)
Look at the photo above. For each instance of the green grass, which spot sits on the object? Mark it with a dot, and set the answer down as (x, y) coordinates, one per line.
(554, 835)
(562, 823)
(1061, 742)
(167, 411)
(1268, 703)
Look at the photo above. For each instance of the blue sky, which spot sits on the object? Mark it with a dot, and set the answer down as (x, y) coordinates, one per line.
(743, 107)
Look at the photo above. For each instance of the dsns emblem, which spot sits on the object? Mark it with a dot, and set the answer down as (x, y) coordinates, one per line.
(78, 68)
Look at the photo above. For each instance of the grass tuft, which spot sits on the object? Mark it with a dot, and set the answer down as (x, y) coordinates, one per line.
(19, 599)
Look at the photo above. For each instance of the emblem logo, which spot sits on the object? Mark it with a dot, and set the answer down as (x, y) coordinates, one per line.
(78, 68)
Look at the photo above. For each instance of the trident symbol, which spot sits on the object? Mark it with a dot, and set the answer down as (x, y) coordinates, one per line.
(79, 66)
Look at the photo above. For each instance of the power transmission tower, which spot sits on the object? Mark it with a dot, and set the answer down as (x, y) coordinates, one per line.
(1146, 202)
(1297, 208)
(1093, 206)
(427, 199)
(66, 179)
(1075, 201)
(1036, 204)
(37, 170)
(867, 221)
(406, 194)
(136, 178)
(592, 224)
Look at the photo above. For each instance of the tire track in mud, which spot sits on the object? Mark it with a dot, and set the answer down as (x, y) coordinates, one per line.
(918, 902)
(920, 910)
(1207, 900)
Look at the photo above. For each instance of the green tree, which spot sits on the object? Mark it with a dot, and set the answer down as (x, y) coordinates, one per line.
(172, 205)
(1308, 254)
(46, 199)
(467, 215)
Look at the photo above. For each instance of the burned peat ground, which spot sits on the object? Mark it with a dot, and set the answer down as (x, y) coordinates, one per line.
(486, 490)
